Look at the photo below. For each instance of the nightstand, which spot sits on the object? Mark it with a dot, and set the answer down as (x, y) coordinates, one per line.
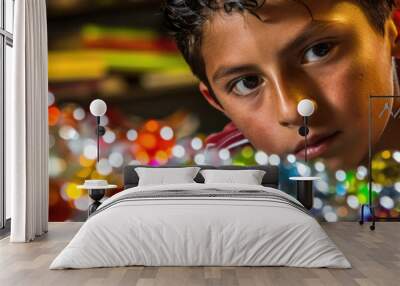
(96, 193)
(305, 193)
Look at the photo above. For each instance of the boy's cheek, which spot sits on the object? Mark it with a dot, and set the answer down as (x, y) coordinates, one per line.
(276, 143)
(266, 134)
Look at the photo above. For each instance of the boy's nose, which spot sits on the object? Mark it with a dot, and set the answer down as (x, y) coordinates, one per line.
(287, 99)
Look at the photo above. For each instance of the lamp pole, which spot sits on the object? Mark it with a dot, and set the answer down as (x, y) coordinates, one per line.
(98, 108)
(98, 138)
(305, 108)
(305, 137)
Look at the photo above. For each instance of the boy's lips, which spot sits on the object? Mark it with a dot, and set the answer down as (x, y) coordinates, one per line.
(316, 145)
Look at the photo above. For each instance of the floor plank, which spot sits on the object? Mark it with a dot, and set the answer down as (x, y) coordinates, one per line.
(375, 257)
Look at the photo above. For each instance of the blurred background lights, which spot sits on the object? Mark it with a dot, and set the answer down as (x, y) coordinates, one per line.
(342, 211)
(147, 140)
(318, 204)
(274, 160)
(85, 162)
(90, 151)
(341, 190)
(362, 173)
(161, 157)
(82, 203)
(116, 159)
(330, 216)
(56, 166)
(52, 141)
(386, 202)
(261, 158)
(178, 151)
(68, 133)
(322, 186)
(103, 167)
(199, 159)
(63, 192)
(50, 99)
(353, 202)
(109, 137)
(291, 158)
(73, 192)
(247, 152)
(79, 114)
(319, 167)
(75, 146)
(327, 208)
(386, 154)
(397, 186)
(69, 191)
(196, 143)
(132, 135)
(166, 133)
(396, 156)
(54, 115)
(303, 169)
(224, 154)
(143, 157)
(152, 125)
(340, 175)
(377, 187)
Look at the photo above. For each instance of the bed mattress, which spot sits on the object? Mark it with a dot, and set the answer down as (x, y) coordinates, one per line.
(201, 225)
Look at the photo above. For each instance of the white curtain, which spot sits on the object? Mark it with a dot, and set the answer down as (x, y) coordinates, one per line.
(26, 124)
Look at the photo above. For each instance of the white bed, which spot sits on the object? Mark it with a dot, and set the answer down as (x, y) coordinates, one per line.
(225, 225)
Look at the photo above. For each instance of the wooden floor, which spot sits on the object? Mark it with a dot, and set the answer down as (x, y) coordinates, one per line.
(375, 257)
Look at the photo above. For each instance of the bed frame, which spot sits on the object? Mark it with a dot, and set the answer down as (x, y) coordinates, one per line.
(270, 179)
(131, 179)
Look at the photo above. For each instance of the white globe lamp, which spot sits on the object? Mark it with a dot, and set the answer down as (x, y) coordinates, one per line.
(98, 107)
(306, 108)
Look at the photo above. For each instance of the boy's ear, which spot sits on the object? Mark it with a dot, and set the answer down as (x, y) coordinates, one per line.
(211, 100)
(394, 38)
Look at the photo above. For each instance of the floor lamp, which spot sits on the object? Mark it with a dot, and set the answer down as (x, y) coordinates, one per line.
(305, 193)
(97, 188)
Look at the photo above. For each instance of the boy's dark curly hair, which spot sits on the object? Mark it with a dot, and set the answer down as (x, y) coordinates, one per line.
(185, 18)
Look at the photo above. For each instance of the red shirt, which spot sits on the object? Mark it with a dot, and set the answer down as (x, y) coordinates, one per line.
(230, 137)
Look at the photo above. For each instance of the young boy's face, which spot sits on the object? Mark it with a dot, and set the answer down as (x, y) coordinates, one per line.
(260, 70)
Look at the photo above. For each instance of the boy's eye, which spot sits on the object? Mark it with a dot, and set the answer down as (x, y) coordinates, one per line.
(317, 52)
(246, 85)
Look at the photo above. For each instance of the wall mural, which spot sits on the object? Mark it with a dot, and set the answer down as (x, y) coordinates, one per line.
(118, 51)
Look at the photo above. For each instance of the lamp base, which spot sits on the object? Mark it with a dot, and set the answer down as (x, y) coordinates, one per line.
(96, 195)
(305, 193)
(305, 190)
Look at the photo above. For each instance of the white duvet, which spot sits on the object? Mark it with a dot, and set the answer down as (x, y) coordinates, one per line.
(204, 231)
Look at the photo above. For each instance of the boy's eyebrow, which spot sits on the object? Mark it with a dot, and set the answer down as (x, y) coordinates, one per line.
(315, 27)
(311, 29)
(224, 71)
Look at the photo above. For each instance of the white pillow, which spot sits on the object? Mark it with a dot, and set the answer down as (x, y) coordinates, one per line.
(163, 176)
(247, 177)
